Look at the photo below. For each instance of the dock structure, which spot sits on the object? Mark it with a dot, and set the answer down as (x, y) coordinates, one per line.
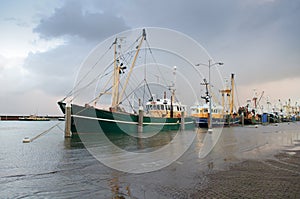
(140, 118)
(68, 121)
(182, 124)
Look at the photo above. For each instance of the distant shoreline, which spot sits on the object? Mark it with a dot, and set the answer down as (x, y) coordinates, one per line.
(21, 117)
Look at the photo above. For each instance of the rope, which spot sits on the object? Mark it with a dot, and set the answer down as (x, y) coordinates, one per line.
(44, 132)
(127, 96)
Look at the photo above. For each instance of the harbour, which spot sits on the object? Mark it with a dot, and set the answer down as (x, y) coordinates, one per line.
(144, 130)
(52, 166)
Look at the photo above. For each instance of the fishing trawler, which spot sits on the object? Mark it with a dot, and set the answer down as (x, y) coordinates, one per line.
(222, 115)
(201, 112)
(231, 117)
(161, 114)
(252, 112)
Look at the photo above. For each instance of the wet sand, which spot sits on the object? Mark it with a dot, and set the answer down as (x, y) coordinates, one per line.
(246, 162)
(278, 177)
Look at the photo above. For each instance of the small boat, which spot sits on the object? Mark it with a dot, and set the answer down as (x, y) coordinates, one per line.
(61, 119)
(123, 115)
(26, 140)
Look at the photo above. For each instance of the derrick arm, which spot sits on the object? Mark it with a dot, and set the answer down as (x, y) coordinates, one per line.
(132, 65)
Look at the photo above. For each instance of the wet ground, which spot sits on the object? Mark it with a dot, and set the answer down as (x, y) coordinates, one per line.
(245, 162)
(278, 177)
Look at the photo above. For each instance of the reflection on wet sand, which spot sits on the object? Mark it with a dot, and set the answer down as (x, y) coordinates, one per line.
(189, 173)
(119, 191)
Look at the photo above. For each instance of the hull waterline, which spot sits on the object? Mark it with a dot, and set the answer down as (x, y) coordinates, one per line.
(83, 120)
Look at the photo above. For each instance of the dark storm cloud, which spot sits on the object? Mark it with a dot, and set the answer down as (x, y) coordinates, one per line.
(205, 18)
(72, 19)
(257, 40)
(55, 70)
(264, 44)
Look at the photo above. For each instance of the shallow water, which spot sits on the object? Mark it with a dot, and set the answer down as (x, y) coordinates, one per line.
(52, 167)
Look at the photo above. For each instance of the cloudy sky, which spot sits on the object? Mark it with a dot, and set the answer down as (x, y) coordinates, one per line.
(44, 42)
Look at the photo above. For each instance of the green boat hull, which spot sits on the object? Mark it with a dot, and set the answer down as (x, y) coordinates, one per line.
(91, 120)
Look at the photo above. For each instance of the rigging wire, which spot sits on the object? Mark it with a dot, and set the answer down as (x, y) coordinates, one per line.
(145, 77)
(74, 90)
(100, 76)
(128, 95)
(88, 72)
(87, 85)
(148, 45)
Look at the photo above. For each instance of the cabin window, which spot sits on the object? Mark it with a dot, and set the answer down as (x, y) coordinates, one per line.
(205, 110)
(158, 107)
(162, 107)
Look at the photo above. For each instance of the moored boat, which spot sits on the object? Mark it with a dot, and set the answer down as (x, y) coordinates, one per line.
(159, 115)
(201, 114)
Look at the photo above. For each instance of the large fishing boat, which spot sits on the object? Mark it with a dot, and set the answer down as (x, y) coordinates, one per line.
(231, 117)
(148, 115)
(201, 112)
(252, 112)
(222, 115)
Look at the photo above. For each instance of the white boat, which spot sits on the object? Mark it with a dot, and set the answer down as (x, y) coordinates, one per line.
(26, 140)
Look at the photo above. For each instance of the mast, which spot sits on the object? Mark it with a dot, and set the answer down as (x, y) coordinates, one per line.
(223, 103)
(228, 93)
(232, 94)
(173, 92)
(116, 75)
(132, 66)
(174, 84)
(255, 99)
